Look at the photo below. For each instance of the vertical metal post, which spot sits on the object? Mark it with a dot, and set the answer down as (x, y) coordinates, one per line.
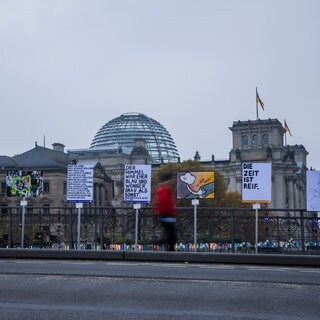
(10, 228)
(278, 234)
(59, 225)
(23, 204)
(257, 104)
(79, 206)
(256, 206)
(101, 229)
(71, 244)
(195, 203)
(232, 231)
(302, 232)
(136, 206)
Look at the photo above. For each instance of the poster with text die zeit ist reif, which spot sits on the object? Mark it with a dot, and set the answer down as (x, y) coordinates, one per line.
(256, 182)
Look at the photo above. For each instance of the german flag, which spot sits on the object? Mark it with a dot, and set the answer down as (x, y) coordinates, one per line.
(259, 101)
(287, 127)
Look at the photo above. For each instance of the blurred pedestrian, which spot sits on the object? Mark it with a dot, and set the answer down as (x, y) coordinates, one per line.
(165, 208)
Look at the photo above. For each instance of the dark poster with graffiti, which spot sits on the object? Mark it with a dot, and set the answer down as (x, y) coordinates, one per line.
(24, 183)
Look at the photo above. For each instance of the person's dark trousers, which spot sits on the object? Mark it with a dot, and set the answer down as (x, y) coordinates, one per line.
(170, 234)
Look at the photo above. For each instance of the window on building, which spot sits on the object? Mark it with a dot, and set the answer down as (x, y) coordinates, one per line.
(64, 188)
(244, 140)
(3, 188)
(265, 139)
(255, 139)
(46, 187)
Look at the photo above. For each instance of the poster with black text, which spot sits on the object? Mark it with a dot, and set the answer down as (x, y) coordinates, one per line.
(137, 183)
(80, 182)
(256, 182)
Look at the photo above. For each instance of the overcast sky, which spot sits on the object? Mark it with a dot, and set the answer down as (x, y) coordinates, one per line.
(68, 67)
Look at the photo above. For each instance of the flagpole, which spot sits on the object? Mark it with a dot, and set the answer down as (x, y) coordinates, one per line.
(257, 103)
(285, 135)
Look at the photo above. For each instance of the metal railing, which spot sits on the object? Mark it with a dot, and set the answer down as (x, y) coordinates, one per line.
(116, 228)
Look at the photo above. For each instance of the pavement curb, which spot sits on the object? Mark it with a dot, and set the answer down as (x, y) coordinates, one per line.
(156, 256)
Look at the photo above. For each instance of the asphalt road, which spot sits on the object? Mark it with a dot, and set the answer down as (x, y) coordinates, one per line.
(57, 289)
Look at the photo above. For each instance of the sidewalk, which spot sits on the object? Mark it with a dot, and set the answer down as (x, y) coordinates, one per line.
(149, 256)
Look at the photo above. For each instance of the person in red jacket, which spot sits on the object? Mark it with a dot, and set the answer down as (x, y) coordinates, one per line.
(165, 208)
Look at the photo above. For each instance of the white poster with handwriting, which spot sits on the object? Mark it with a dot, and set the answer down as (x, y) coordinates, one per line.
(80, 183)
(256, 182)
(137, 183)
(313, 190)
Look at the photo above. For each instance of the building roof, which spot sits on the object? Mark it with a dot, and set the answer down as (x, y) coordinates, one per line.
(6, 161)
(260, 122)
(38, 157)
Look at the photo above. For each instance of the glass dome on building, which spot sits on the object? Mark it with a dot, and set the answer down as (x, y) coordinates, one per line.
(125, 129)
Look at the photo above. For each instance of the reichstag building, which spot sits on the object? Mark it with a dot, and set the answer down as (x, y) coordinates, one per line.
(138, 139)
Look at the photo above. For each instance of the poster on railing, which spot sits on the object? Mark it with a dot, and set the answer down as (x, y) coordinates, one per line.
(195, 185)
(313, 190)
(80, 182)
(137, 183)
(24, 183)
(256, 182)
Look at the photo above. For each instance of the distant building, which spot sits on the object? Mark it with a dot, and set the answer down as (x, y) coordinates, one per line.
(132, 138)
(53, 164)
(262, 141)
(137, 139)
(253, 141)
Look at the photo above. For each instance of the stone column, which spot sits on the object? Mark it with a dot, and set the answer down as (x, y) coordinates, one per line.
(290, 193)
(96, 194)
(239, 184)
(102, 195)
(278, 192)
(297, 200)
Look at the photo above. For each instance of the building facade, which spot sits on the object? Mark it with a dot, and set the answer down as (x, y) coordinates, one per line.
(132, 138)
(53, 163)
(263, 141)
(253, 141)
